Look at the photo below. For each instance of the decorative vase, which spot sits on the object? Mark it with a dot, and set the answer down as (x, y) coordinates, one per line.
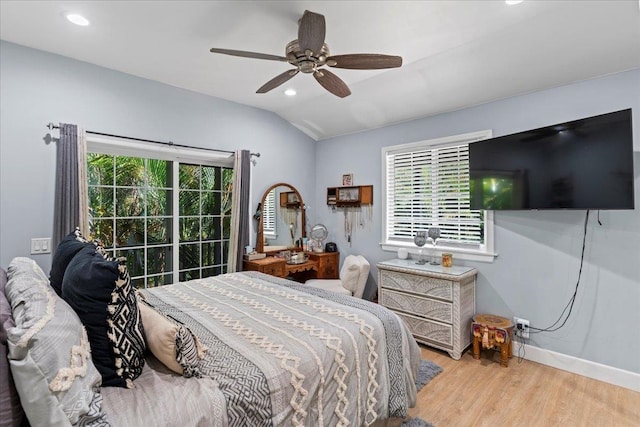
(420, 239)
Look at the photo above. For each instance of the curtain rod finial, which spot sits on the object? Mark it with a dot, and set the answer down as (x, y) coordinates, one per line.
(253, 161)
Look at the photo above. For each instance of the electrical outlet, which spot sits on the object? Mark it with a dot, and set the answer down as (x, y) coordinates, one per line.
(522, 327)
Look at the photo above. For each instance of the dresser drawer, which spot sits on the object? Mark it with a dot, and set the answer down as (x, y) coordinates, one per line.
(427, 286)
(328, 268)
(275, 270)
(270, 265)
(425, 307)
(429, 331)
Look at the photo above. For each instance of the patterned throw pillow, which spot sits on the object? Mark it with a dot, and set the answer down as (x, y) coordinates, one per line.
(49, 353)
(125, 328)
(171, 343)
(99, 290)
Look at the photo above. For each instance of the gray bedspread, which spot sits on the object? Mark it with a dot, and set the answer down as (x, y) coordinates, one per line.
(279, 354)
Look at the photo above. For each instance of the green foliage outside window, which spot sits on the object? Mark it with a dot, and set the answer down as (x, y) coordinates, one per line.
(130, 210)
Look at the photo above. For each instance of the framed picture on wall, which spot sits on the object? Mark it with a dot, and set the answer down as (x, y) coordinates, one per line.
(347, 179)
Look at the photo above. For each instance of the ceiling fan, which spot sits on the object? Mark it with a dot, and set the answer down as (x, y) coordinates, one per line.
(309, 53)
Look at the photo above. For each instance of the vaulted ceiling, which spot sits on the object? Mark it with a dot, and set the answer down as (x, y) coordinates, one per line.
(455, 53)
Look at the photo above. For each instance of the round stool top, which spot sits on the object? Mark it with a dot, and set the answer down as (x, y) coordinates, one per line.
(493, 321)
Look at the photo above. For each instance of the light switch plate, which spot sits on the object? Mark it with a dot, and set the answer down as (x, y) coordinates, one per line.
(41, 245)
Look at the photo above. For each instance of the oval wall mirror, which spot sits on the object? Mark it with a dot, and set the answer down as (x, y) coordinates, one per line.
(282, 218)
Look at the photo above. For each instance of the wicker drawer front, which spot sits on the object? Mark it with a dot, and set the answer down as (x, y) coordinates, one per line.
(427, 330)
(428, 286)
(425, 307)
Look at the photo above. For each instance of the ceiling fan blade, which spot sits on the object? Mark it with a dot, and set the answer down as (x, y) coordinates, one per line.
(311, 32)
(277, 81)
(364, 61)
(332, 83)
(245, 54)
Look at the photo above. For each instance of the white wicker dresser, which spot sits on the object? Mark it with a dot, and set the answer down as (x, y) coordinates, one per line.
(436, 303)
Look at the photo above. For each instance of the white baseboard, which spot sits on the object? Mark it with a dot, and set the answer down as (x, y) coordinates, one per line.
(586, 368)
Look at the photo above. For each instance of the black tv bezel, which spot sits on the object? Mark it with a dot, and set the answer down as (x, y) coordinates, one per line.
(557, 126)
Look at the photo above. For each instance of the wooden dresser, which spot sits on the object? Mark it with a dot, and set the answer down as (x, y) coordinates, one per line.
(319, 266)
(436, 303)
(270, 265)
(328, 264)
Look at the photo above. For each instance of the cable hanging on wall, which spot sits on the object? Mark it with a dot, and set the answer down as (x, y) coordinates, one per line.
(572, 300)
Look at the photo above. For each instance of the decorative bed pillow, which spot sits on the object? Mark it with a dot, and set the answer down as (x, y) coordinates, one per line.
(100, 292)
(49, 353)
(66, 250)
(11, 412)
(171, 343)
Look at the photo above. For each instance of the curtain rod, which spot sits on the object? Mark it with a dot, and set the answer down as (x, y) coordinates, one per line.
(51, 126)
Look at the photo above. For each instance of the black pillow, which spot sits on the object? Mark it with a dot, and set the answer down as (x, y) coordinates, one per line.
(100, 292)
(66, 250)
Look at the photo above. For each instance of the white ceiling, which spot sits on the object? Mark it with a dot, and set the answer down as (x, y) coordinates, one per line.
(456, 53)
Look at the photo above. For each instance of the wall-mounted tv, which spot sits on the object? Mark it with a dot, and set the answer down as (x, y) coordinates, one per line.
(583, 164)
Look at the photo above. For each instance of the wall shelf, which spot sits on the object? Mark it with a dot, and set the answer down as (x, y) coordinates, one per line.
(289, 199)
(356, 195)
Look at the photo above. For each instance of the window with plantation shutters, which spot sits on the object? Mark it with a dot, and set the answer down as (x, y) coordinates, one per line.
(269, 215)
(427, 185)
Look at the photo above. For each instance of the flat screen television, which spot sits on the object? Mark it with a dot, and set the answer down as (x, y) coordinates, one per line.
(583, 164)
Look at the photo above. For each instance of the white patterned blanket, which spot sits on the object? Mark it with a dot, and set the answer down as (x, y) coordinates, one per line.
(280, 353)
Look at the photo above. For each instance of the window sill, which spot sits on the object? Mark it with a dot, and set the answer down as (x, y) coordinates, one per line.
(461, 254)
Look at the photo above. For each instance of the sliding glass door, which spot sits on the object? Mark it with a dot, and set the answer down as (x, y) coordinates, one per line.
(169, 219)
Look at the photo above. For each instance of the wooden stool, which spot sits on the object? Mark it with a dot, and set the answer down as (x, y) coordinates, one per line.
(492, 331)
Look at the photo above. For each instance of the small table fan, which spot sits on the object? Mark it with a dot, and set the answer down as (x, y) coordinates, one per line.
(318, 235)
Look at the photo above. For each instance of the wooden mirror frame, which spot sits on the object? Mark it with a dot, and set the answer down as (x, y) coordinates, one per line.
(303, 233)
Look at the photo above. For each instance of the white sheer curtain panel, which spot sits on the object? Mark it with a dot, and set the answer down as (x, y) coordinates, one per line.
(239, 237)
(83, 184)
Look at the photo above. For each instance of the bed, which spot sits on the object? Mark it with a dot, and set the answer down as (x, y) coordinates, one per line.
(272, 353)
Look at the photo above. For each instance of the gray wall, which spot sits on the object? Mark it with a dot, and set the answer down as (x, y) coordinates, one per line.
(539, 251)
(38, 88)
(533, 277)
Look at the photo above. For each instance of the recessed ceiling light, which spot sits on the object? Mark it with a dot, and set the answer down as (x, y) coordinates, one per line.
(512, 2)
(78, 19)
(290, 92)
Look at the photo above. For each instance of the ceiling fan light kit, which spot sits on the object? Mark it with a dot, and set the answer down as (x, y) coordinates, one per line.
(308, 53)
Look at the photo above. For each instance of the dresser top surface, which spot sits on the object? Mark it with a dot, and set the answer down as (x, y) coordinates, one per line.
(409, 266)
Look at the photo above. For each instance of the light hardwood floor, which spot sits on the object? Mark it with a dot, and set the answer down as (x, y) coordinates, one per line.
(473, 392)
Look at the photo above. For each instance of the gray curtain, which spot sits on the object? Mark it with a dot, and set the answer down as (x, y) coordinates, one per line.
(240, 211)
(70, 200)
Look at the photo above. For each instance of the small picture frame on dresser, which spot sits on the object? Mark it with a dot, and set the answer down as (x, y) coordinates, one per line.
(347, 179)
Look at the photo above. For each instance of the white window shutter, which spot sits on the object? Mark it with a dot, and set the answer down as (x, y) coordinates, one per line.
(428, 186)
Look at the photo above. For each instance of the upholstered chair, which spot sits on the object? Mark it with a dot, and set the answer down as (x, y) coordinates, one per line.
(353, 277)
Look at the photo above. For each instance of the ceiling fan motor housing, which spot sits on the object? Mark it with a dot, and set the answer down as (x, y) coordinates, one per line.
(307, 62)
